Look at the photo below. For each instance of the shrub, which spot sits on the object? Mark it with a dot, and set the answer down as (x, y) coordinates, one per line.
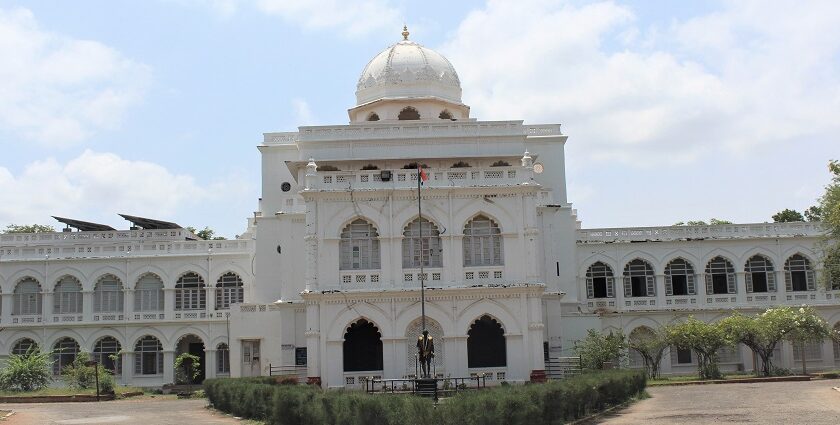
(26, 372)
(550, 403)
(82, 377)
(598, 348)
(187, 368)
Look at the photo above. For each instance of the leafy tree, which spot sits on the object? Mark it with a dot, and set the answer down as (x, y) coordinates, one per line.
(80, 376)
(187, 368)
(716, 221)
(597, 349)
(807, 327)
(26, 372)
(28, 228)
(829, 209)
(651, 346)
(813, 213)
(206, 234)
(787, 215)
(712, 221)
(705, 340)
(761, 333)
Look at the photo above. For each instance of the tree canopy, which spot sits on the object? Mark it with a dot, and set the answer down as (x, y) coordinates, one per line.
(829, 212)
(788, 215)
(206, 234)
(712, 221)
(28, 228)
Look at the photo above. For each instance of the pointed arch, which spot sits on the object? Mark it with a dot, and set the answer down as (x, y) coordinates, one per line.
(680, 277)
(421, 244)
(64, 352)
(720, 276)
(600, 281)
(483, 244)
(148, 293)
(759, 275)
(799, 274)
(67, 295)
(27, 297)
(408, 113)
(106, 351)
(486, 343)
(639, 279)
(229, 290)
(24, 346)
(148, 356)
(359, 246)
(362, 347)
(108, 294)
(190, 293)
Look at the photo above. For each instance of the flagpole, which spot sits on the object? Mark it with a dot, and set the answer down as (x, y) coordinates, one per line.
(422, 274)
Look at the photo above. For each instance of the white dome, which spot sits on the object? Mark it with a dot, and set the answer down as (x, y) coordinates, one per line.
(407, 69)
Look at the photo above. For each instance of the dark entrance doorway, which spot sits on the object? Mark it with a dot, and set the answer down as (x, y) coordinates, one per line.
(486, 345)
(193, 345)
(362, 347)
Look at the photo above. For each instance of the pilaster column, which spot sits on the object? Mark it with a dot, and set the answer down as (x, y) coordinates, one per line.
(169, 303)
(87, 306)
(209, 363)
(168, 367)
(6, 307)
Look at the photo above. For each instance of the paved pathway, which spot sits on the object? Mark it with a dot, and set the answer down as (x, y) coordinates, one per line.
(139, 411)
(813, 402)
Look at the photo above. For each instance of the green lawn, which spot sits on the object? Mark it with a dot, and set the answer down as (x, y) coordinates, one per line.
(686, 378)
(65, 391)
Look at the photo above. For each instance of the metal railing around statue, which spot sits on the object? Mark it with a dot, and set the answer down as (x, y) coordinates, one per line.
(433, 386)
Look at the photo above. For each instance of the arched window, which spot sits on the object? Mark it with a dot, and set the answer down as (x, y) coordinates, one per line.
(27, 298)
(679, 278)
(599, 281)
(222, 358)
(25, 347)
(486, 346)
(229, 291)
(148, 293)
(799, 275)
(64, 353)
(108, 295)
(759, 275)
(359, 246)
(425, 250)
(362, 347)
(408, 113)
(720, 276)
(445, 115)
(67, 298)
(106, 351)
(148, 356)
(482, 243)
(190, 293)
(373, 117)
(639, 280)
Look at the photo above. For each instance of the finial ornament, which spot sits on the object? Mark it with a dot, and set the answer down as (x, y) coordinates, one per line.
(405, 32)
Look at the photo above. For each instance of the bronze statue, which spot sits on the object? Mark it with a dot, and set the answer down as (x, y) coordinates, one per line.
(426, 351)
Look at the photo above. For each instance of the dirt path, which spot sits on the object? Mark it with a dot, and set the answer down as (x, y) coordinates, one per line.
(140, 411)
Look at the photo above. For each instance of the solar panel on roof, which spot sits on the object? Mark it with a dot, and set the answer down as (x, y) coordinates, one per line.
(84, 226)
(150, 223)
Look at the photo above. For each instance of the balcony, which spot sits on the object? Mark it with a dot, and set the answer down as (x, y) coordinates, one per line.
(407, 179)
(677, 233)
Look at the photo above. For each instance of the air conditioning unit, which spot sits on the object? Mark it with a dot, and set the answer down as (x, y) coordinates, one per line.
(385, 175)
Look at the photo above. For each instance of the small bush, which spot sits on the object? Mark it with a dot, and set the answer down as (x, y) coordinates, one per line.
(551, 403)
(82, 377)
(187, 368)
(27, 372)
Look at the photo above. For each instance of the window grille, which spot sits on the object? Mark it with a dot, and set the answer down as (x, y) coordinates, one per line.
(799, 275)
(759, 275)
(25, 346)
(67, 297)
(639, 280)
(482, 243)
(148, 356)
(679, 278)
(435, 276)
(813, 351)
(229, 290)
(346, 278)
(190, 293)
(374, 278)
(148, 293)
(426, 250)
(361, 278)
(27, 298)
(108, 295)
(106, 351)
(720, 276)
(600, 282)
(64, 353)
(359, 246)
(483, 275)
(222, 358)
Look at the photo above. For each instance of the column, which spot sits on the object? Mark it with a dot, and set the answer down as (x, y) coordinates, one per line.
(127, 359)
(209, 362)
(47, 306)
(87, 306)
(168, 367)
(169, 303)
(6, 307)
(128, 304)
(313, 343)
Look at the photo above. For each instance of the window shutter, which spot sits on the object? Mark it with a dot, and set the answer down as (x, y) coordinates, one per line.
(810, 281)
(748, 280)
(651, 285)
(610, 287)
(628, 287)
(138, 363)
(710, 288)
(590, 289)
(689, 284)
(771, 281)
(788, 281)
(730, 283)
(669, 286)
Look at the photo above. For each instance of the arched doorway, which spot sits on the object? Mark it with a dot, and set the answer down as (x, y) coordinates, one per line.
(190, 344)
(486, 345)
(412, 332)
(362, 347)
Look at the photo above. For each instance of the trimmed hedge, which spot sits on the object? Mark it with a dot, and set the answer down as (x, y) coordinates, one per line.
(551, 403)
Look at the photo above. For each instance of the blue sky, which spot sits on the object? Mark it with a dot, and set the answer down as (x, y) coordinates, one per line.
(674, 110)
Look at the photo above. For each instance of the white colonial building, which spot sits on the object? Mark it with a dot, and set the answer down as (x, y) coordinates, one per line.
(326, 279)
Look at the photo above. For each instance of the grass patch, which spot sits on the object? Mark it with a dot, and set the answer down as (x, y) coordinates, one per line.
(65, 391)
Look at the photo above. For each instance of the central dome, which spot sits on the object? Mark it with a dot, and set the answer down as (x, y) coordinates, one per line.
(407, 69)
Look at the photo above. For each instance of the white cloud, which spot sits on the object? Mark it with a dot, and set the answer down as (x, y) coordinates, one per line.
(58, 90)
(97, 185)
(351, 18)
(303, 114)
(745, 76)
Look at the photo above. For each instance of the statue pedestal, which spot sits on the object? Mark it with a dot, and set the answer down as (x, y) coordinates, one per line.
(426, 387)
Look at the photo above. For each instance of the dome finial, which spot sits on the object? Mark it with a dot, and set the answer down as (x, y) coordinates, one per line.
(405, 32)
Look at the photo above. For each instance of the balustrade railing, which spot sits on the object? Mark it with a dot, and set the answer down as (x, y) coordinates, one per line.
(724, 231)
(407, 179)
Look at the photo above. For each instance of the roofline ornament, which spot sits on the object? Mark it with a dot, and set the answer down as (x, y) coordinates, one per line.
(405, 32)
